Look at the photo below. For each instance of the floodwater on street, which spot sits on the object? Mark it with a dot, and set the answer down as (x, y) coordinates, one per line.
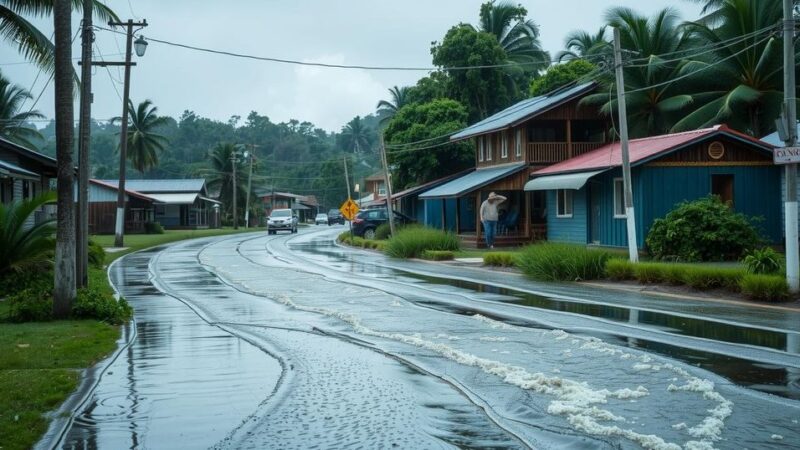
(291, 341)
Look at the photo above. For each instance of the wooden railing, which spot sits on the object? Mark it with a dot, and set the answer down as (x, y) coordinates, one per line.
(553, 152)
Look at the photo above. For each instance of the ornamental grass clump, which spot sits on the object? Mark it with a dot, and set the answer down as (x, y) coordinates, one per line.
(563, 262)
(438, 255)
(499, 259)
(619, 269)
(411, 241)
(649, 273)
(705, 278)
(768, 288)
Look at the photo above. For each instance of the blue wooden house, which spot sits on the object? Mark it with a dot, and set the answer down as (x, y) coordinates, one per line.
(584, 194)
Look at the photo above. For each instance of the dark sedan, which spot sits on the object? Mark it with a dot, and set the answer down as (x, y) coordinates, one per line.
(365, 222)
(334, 217)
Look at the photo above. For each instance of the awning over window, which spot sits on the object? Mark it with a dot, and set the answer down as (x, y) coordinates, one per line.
(174, 199)
(472, 181)
(565, 181)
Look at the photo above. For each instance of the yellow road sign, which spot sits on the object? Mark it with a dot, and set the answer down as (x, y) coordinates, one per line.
(349, 209)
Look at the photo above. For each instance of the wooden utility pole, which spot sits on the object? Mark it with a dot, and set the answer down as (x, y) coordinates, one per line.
(233, 166)
(64, 279)
(387, 178)
(119, 228)
(249, 187)
(633, 250)
(790, 104)
(347, 180)
(84, 139)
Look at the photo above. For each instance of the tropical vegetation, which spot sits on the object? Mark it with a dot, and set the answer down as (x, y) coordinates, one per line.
(144, 143)
(14, 124)
(23, 242)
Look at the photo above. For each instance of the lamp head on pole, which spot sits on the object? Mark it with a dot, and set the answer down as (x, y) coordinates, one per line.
(140, 45)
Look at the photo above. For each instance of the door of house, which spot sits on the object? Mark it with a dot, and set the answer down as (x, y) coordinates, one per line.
(594, 220)
(722, 186)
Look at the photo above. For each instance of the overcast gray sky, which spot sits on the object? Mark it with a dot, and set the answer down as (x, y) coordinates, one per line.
(366, 32)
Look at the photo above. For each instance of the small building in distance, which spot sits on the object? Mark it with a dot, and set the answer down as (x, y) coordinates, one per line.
(24, 174)
(139, 209)
(305, 207)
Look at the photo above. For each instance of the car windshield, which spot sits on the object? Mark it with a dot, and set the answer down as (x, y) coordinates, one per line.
(281, 213)
(322, 216)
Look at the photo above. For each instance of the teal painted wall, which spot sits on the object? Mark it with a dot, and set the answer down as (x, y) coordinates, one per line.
(573, 229)
(433, 213)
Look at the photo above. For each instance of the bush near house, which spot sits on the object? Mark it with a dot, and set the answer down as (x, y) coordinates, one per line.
(411, 241)
(383, 232)
(702, 230)
(763, 261)
(153, 228)
(23, 248)
(499, 259)
(563, 262)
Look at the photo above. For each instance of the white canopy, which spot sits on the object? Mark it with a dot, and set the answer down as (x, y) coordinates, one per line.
(562, 181)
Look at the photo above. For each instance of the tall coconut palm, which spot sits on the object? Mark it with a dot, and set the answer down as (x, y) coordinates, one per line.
(31, 43)
(388, 108)
(740, 82)
(581, 44)
(221, 176)
(12, 120)
(355, 135)
(654, 104)
(144, 144)
(517, 35)
(21, 245)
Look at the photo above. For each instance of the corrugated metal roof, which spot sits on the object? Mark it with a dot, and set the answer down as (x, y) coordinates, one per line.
(164, 186)
(428, 185)
(42, 158)
(17, 170)
(174, 199)
(130, 192)
(522, 111)
(641, 150)
(562, 181)
(471, 181)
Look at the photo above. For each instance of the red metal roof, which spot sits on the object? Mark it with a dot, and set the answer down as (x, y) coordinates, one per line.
(644, 149)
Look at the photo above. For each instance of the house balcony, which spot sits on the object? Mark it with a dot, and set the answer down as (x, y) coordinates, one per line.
(553, 152)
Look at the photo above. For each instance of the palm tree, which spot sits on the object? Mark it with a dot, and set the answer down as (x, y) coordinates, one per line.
(31, 43)
(517, 35)
(654, 103)
(388, 108)
(221, 176)
(740, 82)
(355, 136)
(22, 246)
(581, 44)
(144, 144)
(12, 120)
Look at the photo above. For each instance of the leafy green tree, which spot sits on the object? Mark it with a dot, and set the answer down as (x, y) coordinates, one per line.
(517, 35)
(655, 103)
(388, 108)
(483, 90)
(741, 82)
(581, 44)
(144, 144)
(560, 75)
(221, 176)
(355, 135)
(429, 88)
(421, 121)
(22, 246)
(12, 120)
(32, 43)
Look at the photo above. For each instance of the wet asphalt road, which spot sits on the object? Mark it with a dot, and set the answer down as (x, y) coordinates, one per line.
(289, 341)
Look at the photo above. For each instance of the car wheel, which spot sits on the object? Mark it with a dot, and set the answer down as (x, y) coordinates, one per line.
(369, 233)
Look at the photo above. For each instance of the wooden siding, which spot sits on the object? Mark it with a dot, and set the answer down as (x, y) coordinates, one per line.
(571, 110)
(553, 152)
(735, 153)
(567, 229)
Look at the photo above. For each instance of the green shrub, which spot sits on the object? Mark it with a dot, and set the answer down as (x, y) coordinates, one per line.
(501, 259)
(23, 247)
(33, 303)
(702, 230)
(153, 228)
(770, 288)
(411, 241)
(763, 261)
(95, 304)
(705, 278)
(619, 269)
(674, 273)
(562, 262)
(383, 232)
(648, 273)
(97, 255)
(343, 236)
(438, 255)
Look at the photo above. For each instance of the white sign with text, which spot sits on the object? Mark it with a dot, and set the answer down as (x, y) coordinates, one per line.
(786, 155)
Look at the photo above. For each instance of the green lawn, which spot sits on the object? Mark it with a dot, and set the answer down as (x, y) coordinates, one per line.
(40, 362)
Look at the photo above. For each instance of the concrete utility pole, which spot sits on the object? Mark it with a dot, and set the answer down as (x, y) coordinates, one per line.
(790, 205)
(119, 229)
(389, 210)
(233, 166)
(633, 250)
(84, 139)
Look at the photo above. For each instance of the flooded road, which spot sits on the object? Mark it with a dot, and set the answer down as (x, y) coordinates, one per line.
(290, 341)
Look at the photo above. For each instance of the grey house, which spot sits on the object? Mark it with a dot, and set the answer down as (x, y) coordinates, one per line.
(24, 174)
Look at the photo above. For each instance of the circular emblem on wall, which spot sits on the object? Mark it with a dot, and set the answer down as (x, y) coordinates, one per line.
(716, 150)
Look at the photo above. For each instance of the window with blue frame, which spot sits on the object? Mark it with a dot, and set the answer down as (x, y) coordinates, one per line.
(564, 203)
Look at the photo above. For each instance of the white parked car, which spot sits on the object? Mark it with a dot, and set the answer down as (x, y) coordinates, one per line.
(281, 219)
(321, 219)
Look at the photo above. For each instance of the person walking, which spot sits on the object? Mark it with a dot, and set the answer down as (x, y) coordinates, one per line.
(489, 216)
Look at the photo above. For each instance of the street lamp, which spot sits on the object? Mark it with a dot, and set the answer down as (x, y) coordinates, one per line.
(140, 46)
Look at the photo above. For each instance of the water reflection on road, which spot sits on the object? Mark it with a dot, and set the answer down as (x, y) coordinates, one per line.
(259, 341)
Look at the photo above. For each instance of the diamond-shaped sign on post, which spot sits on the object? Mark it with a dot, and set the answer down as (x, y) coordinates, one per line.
(349, 209)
